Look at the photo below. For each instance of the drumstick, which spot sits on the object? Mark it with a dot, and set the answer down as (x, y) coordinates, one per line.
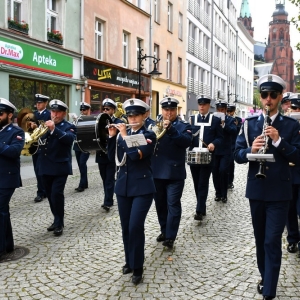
(203, 142)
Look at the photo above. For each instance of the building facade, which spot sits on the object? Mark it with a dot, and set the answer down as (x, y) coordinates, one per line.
(37, 52)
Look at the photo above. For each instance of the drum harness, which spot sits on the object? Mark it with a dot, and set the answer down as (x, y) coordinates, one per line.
(202, 125)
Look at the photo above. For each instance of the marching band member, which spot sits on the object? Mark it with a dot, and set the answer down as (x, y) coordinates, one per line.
(206, 129)
(12, 140)
(286, 103)
(168, 164)
(238, 122)
(223, 154)
(55, 161)
(82, 157)
(148, 120)
(107, 167)
(293, 236)
(134, 185)
(41, 114)
(269, 198)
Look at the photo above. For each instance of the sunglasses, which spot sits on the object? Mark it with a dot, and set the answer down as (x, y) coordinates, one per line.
(273, 95)
(1, 113)
(106, 108)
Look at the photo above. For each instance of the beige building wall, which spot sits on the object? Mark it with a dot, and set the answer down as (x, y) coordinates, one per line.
(172, 40)
(117, 16)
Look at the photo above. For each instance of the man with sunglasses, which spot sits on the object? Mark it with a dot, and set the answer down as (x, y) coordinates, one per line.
(286, 103)
(12, 140)
(107, 168)
(269, 197)
(82, 157)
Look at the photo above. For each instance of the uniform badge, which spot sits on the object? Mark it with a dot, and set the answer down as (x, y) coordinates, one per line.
(131, 102)
(19, 138)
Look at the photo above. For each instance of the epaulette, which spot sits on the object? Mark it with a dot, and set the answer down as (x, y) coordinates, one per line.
(289, 118)
(252, 117)
(183, 121)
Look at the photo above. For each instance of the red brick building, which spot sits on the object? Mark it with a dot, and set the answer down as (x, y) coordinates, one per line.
(278, 50)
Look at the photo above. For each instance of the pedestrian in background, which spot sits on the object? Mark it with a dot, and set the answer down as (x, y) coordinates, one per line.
(12, 139)
(82, 157)
(270, 197)
(55, 161)
(134, 186)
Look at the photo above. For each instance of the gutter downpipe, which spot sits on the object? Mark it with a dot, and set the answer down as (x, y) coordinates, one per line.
(150, 63)
(82, 48)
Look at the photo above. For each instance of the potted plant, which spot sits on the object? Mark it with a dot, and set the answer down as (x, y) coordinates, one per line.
(19, 26)
(55, 36)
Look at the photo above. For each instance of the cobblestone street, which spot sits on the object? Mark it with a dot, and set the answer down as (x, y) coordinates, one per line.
(212, 259)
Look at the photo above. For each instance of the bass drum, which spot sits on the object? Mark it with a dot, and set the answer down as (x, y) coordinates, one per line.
(92, 132)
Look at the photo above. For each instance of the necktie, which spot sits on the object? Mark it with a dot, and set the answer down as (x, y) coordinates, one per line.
(203, 118)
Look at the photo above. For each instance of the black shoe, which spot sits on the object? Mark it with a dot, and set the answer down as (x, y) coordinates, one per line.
(161, 238)
(2, 254)
(58, 231)
(224, 200)
(260, 287)
(52, 227)
(292, 247)
(198, 217)
(79, 189)
(230, 186)
(136, 279)
(106, 208)
(38, 199)
(126, 270)
(217, 199)
(168, 243)
(268, 298)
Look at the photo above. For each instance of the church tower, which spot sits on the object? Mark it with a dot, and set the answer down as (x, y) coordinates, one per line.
(245, 17)
(278, 50)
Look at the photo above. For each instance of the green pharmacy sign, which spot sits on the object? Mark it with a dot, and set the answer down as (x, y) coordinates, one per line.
(26, 56)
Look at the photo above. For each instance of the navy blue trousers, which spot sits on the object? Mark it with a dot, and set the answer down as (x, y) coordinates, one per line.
(201, 174)
(268, 220)
(168, 205)
(133, 212)
(107, 173)
(292, 220)
(231, 169)
(82, 158)
(55, 186)
(220, 174)
(40, 187)
(6, 234)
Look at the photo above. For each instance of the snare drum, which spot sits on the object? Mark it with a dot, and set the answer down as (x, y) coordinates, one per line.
(198, 157)
(91, 132)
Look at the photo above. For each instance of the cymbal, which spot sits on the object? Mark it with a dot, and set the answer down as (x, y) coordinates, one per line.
(22, 113)
(27, 118)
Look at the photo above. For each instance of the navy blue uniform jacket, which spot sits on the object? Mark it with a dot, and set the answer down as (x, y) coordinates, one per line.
(229, 132)
(212, 134)
(278, 173)
(12, 139)
(44, 116)
(168, 161)
(134, 178)
(55, 157)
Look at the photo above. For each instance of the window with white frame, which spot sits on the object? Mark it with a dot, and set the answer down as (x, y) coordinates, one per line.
(139, 45)
(179, 70)
(180, 26)
(52, 15)
(125, 49)
(156, 10)
(99, 40)
(169, 65)
(170, 16)
(17, 10)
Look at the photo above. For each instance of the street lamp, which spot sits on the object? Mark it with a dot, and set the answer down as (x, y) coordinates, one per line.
(154, 73)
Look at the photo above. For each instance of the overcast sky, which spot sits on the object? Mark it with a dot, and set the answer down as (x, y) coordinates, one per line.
(261, 13)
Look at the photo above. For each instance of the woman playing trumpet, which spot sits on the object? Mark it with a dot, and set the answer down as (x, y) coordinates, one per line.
(134, 185)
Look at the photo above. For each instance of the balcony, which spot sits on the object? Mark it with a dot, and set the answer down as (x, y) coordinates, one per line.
(18, 26)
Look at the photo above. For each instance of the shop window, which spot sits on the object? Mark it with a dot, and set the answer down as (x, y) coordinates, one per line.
(22, 91)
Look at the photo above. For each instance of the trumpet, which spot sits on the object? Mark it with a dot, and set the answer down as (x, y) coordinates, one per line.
(127, 125)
